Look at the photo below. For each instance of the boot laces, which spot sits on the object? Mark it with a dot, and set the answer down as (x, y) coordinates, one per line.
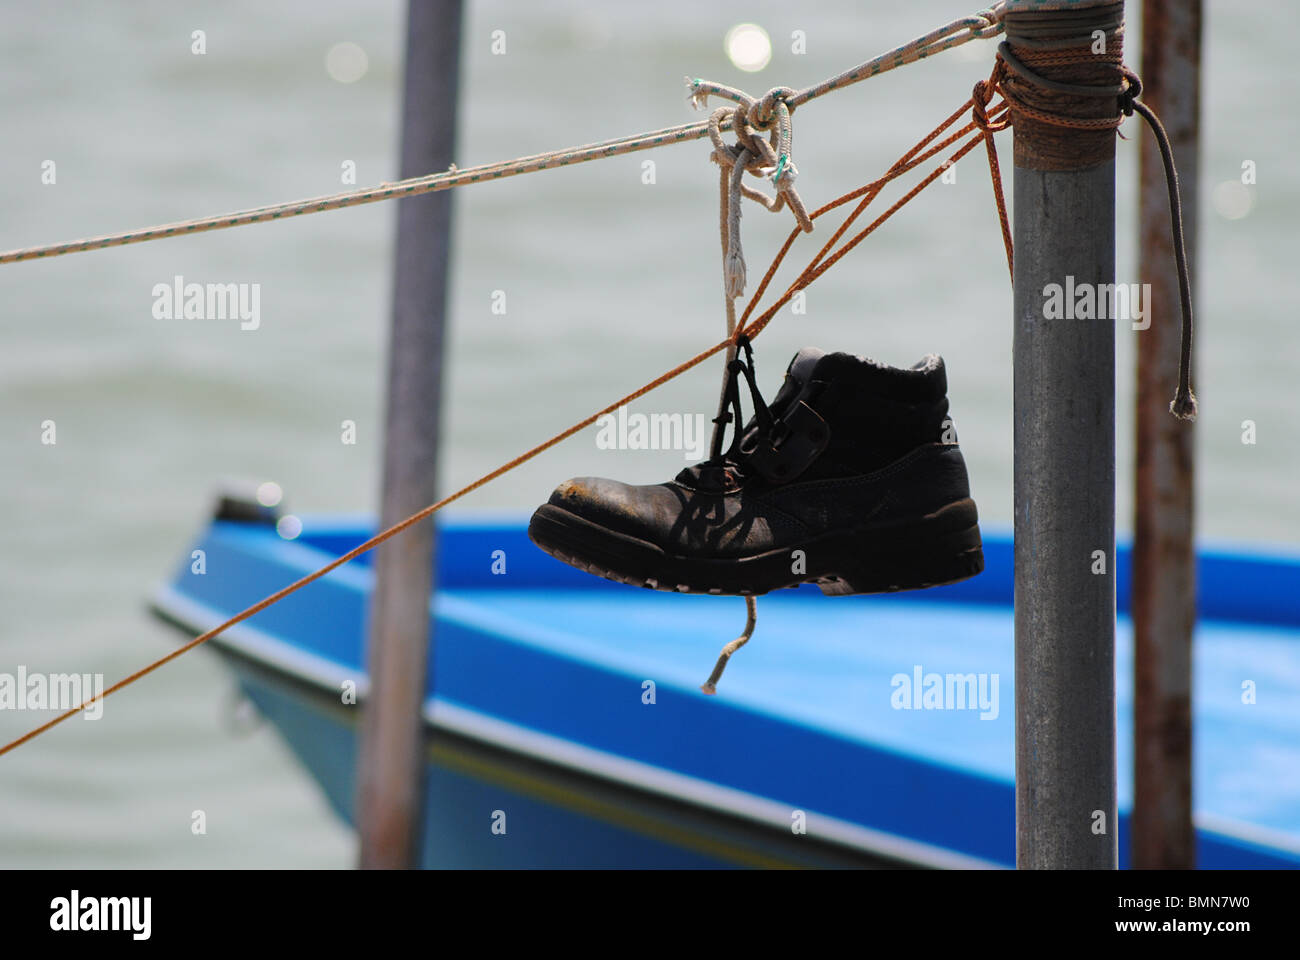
(763, 420)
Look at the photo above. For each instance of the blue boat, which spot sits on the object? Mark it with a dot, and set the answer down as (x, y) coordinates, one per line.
(566, 727)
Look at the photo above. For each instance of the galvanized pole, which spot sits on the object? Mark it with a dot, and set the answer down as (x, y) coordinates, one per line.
(390, 779)
(1164, 556)
(1064, 411)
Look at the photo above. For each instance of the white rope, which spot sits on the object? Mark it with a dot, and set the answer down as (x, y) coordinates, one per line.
(778, 102)
(751, 620)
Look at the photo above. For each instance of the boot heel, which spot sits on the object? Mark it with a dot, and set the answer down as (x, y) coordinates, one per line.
(913, 559)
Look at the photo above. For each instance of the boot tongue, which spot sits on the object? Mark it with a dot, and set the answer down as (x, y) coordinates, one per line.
(797, 376)
(804, 361)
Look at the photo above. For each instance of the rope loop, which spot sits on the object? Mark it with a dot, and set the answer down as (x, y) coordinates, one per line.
(988, 22)
(764, 157)
(1132, 90)
(761, 114)
(1016, 69)
(752, 154)
(982, 95)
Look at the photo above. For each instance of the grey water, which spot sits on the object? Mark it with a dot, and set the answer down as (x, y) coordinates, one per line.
(606, 280)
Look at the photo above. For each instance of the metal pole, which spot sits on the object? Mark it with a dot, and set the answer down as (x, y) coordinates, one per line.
(391, 775)
(1064, 411)
(1164, 556)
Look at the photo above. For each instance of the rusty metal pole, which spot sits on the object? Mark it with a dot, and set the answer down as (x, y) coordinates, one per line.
(1064, 413)
(1164, 555)
(390, 795)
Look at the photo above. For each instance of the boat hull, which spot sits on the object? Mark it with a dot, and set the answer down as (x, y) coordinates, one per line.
(565, 727)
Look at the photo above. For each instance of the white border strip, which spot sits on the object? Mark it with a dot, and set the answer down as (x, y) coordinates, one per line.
(1248, 832)
(322, 672)
(679, 786)
(257, 644)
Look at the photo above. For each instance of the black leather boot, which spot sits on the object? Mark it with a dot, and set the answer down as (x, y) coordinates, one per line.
(851, 479)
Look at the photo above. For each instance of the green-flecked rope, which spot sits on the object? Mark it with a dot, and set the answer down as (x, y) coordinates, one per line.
(385, 191)
(982, 25)
(979, 26)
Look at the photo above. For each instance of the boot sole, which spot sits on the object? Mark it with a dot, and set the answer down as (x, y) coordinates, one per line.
(940, 548)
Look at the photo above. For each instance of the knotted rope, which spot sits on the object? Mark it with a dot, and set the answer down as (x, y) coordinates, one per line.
(750, 154)
(1045, 100)
(761, 158)
(979, 26)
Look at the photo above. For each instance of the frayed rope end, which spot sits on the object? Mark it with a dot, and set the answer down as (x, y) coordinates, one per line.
(1184, 406)
(786, 172)
(697, 98)
(710, 686)
(735, 274)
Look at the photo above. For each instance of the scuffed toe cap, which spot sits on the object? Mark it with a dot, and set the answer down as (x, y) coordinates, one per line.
(669, 516)
(582, 495)
(644, 512)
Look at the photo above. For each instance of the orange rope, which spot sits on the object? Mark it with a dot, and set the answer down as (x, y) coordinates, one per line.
(990, 125)
(372, 543)
(994, 122)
